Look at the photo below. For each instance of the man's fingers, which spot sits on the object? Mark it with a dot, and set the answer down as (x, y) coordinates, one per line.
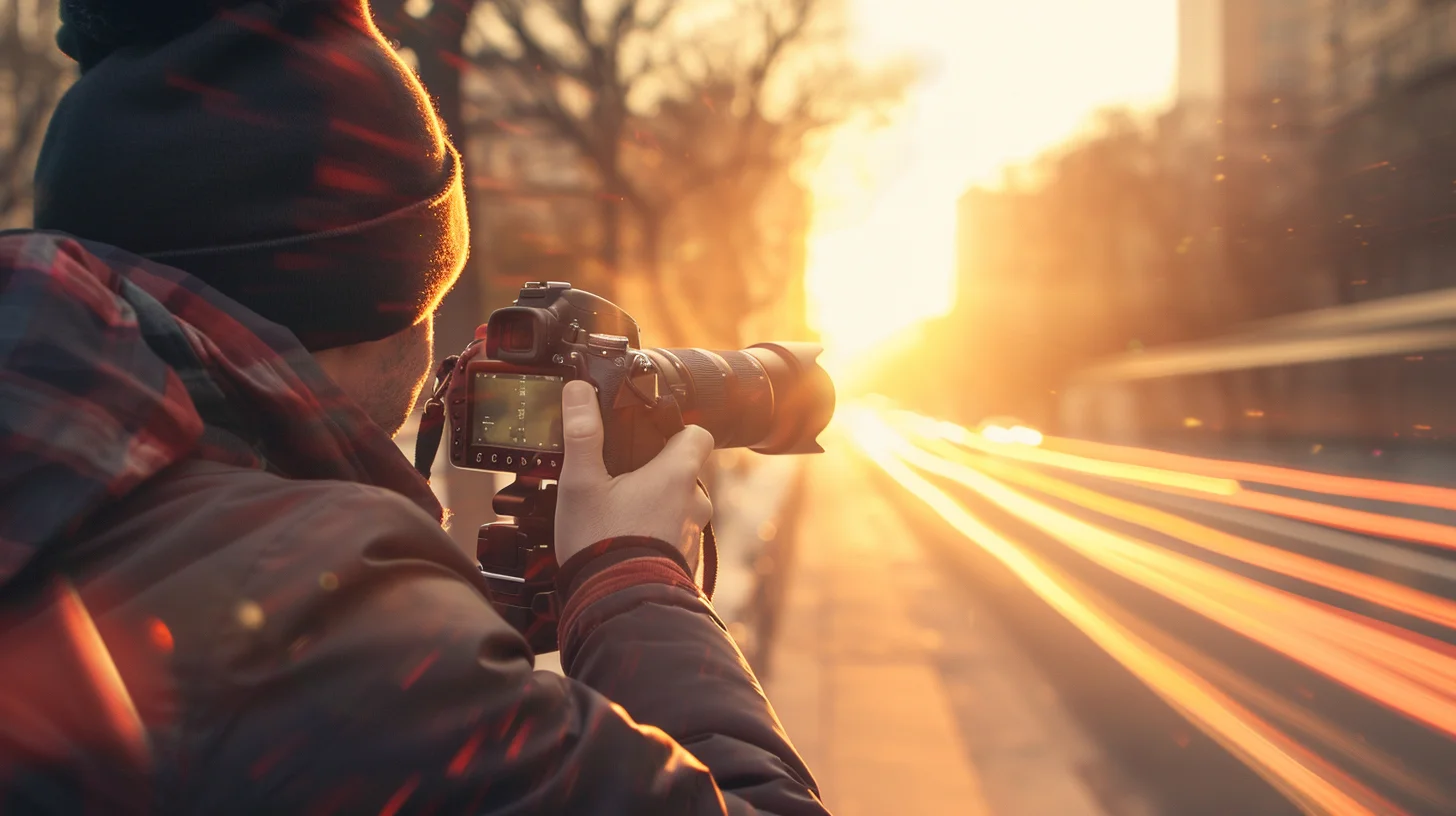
(581, 425)
(702, 512)
(688, 450)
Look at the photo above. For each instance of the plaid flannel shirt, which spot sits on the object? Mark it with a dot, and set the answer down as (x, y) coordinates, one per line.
(115, 367)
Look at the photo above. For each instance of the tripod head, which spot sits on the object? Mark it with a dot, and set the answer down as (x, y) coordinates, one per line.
(518, 562)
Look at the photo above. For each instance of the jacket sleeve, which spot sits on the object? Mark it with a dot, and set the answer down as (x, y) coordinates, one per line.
(366, 672)
(642, 633)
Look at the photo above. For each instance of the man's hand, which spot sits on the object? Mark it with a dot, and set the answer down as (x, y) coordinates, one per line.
(659, 500)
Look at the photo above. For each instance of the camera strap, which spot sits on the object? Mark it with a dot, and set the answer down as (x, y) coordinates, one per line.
(710, 552)
(432, 423)
(666, 416)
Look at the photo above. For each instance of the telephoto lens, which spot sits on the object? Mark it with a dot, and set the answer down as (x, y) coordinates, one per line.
(770, 397)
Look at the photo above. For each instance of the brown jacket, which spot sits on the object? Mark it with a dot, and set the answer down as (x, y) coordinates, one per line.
(323, 647)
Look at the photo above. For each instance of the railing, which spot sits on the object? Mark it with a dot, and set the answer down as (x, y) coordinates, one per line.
(1374, 328)
(1380, 374)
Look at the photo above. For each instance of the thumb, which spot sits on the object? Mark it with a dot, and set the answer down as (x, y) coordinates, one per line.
(581, 428)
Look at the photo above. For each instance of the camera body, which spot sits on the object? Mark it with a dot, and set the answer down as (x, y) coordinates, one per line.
(505, 397)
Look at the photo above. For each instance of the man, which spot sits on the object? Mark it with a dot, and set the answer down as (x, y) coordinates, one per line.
(222, 589)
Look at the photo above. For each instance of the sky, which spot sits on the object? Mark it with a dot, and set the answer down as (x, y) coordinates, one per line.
(1003, 81)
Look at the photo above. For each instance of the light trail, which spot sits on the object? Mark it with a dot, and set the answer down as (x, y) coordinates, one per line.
(1358, 521)
(1164, 477)
(1294, 716)
(1348, 486)
(1351, 582)
(1284, 622)
(1153, 468)
(1312, 783)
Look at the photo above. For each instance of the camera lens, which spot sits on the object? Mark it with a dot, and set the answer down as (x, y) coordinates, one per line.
(772, 397)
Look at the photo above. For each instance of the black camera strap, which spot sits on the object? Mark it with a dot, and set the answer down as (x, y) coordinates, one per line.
(432, 423)
(666, 417)
(710, 552)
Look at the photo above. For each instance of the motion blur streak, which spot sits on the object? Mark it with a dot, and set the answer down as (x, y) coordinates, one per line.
(1310, 782)
(122, 718)
(1352, 487)
(1358, 584)
(1344, 649)
(1112, 470)
(1333, 737)
(1359, 521)
(1229, 491)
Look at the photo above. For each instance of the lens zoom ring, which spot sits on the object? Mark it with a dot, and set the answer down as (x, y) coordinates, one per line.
(709, 393)
(753, 401)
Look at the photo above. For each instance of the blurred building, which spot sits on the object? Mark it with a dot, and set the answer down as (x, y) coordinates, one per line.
(1367, 177)
(1249, 65)
(1250, 75)
(1149, 233)
(1389, 159)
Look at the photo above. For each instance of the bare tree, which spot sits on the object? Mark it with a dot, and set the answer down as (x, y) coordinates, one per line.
(33, 75)
(554, 62)
(668, 99)
(753, 96)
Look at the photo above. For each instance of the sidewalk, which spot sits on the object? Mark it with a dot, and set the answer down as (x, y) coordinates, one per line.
(899, 697)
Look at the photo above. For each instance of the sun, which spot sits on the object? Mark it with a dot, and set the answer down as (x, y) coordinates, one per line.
(1002, 83)
(880, 259)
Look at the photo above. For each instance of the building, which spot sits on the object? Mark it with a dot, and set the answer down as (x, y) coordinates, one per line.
(1250, 77)
(1366, 170)
(1144, 235)
(1389, 158)
(1237, 57)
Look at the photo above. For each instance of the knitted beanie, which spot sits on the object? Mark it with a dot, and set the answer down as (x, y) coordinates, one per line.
(278, 150)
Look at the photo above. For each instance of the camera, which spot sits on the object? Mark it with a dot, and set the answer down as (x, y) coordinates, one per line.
(505, 397)
(501, 399)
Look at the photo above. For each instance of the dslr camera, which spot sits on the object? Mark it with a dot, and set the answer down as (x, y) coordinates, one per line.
(501, 399)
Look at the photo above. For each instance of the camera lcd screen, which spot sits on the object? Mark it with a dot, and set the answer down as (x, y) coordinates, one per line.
(516, 410)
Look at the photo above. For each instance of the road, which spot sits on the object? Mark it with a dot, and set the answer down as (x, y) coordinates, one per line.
(986, 627)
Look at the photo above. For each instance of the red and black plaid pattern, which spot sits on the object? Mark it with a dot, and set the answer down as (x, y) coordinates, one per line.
(113, 367)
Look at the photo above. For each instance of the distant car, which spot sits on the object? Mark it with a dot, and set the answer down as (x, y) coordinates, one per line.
(1008, 430)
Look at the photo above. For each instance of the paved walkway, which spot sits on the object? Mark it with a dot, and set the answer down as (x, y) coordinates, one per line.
(900, 698)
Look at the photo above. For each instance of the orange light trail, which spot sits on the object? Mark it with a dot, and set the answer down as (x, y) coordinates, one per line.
(1348, 486)
(1358, 521)
(1351, 582)
(1313, 784)
(1214, 483)
(1284, 622)
(1096, 467)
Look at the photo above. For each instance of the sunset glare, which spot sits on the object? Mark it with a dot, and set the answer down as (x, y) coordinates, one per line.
(1001, 83)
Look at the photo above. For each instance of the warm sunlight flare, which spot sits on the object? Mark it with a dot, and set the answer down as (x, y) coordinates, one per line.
(996, 89)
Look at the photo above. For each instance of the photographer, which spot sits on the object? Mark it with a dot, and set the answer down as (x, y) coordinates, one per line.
(222, 589)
